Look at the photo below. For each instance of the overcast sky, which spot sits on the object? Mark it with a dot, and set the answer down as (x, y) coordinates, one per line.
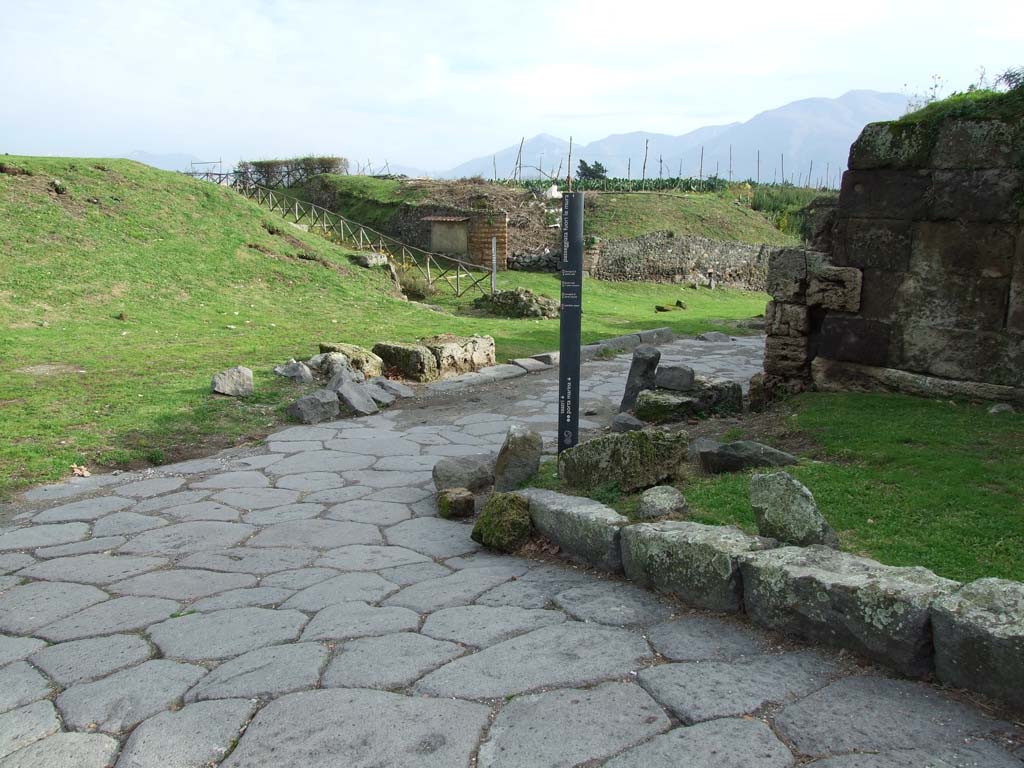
(431, 84)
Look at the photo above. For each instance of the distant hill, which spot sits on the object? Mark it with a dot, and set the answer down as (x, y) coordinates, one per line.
(817, 130)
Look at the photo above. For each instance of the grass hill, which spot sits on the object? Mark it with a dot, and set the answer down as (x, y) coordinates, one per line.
(124, 288)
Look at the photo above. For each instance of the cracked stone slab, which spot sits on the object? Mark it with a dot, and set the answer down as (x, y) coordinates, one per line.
(28, 607)
(84, 510)
(212, 728)
(81, 660)
(706, 690)
(819, 724)
(411, 463)
(17, 648)
(182, 583)
(975, 755)
(259, 597)
(21, 727)
(366, 511)
(246, 478)
(480, 625)
(317, 534)
(123, 700)
(363, 557)
(569, 727)
(308, 482)
(67, 750)
(387, 661)
(264, 673)
(86, 547)
(285, 514)
(21, 684)
(125, 524)
(339, 495)
(123, 614)
(355, 586)
(296, 434)
(360, 729)
(726, 743)
(613, 602)
(570, 654)
(295, 446)
(188, 537)
(203, 510)
(379, 478)
(299, 578)
(345, 621)
(460, 588)
(257, 498)
(433, 537)
(404, 575)
(258, 461)
(379, 447)
(92, 569)
(705, 638)
(320, 461)
(248, 560)
(154, 486)
(409, 495)
(536, 589)
(181, 498)
(222, 634)
(15, 561)
(35, 536)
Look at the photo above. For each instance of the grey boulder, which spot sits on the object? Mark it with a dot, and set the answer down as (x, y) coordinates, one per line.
(641, 374)
(474, 472)
(519, 458)
(234, 382)
(356, 398)
(675, 377)
(660, 501)
(296, 371)
(321, 405)
(743, 454)
(785, 510)
(624, 422)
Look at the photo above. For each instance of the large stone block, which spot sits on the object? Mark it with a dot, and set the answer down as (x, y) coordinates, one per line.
(786, 319)
(585, 530)
(411, 361)
(698, 563)
(836, 288)
(359, 359)
(460, 354)
(866, 243)
(978, 144)
(889, 194)
(988, 195)
(786, 356)
(641, 374)
(971, 250)
(954, 301)
(705, 397)
(1015, 311)
(979, 639)
(630, 460)
(788, 271)
(819, 594)
(997, 358)
(880, 293)
(855, 340)
(890, 145)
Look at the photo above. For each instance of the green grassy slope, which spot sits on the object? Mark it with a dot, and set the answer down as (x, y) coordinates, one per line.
(203, 285)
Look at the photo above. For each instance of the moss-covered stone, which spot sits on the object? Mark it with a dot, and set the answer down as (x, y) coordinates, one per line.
(360, 359)
(706, 397)
(412, 361)
(504, 523)
(630, 460)
(455, 503)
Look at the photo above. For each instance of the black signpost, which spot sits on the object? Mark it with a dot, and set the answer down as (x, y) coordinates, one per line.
(569, 327)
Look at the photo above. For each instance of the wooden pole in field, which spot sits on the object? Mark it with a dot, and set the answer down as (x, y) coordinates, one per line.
(643, 176)
(759, 166)
(700, 172)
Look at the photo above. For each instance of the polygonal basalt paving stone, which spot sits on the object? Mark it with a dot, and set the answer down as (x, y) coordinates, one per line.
(66, 750)
(242, 479)
(285, 514)
(387, 661)
(363, 557)
(28, 607)
(211, 729)
(570, 654)
(461, 588)
(92, 569)
(259, 597)
(8, 582)
(345, 621)
(188, 537)
(613, 602)
(409, 495)
(124, 699)
(379, 446)
(481, 625)
(34, 536)
(249, 560)
(410, 463)
(86, 509)
(21, 727)
(339, 495)
(705, 690)
(295, 446)
(360, 729)
(705, 638)
(15, 561)
(300, 578)
(319, 461)
(264, 673)
(726, 743)
(125, 524)
(123, 614)
(979, 754)
(373, 478)
(366, 511)
(183, 583)
(571, 727)
(876, 714)
(144, 489)
(86, 547)
(295, 434)
(404, 575)
(257, 461)
(433, 537)
(179, 499)
(318, 534)
(536, 588)
(203, 510)
(21, 684)
(17, 648)
(82, 660)
(308, 482)
(222, 634)
(257, 498)
(365, 587)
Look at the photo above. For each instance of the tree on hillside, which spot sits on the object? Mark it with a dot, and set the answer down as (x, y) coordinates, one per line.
(591, 171)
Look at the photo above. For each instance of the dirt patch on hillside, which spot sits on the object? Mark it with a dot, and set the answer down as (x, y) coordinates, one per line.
(50, 369)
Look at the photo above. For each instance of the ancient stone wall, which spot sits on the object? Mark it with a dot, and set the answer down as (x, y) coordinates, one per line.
(922, 270)
(408, 225)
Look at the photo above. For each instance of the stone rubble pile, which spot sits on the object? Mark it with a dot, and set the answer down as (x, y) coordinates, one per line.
(521, 302)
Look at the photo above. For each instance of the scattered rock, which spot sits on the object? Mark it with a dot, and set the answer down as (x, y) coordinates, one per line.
(625, 422)
(631, 460)
(521, 302)
(370, 259)
(519, 458)
(699, 444)
(234, 382)
(321, 405)
(474, 472)
(455, 503)
(356, 399)
(297, 372)
(641, 374)
(707, 396)
(396, 388)
(1001, 408)
(785, 510)
(380, 396)
(714, 336)
(504, 523)
(358, 358)
(412, 361)
(460, 354)
(661, 501)
(337, 368)
(678, 378)
(743, 454)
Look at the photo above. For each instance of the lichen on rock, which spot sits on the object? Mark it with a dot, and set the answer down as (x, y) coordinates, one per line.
(504, 523)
